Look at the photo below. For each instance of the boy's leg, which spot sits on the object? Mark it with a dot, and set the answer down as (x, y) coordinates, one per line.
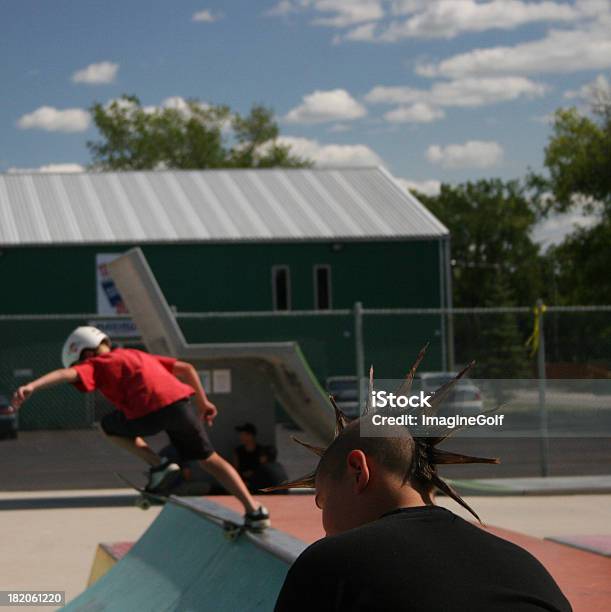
(190, 439)
(137, 446)
(229, 478)
(127, 434)
(256, 516)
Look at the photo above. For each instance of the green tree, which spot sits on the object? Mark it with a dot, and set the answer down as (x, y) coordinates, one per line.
(490, 222)
(581, 265)
(502, 351)
(257, 142)
(578, 164)
(196, 136)
(578, 159)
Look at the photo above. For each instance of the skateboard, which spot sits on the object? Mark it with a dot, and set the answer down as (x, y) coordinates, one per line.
(146, 499)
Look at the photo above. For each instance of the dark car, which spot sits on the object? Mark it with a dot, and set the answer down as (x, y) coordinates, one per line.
(9, 421)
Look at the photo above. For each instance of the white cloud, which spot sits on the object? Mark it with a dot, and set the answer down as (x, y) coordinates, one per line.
(332, 154)
(448, 18)
(331, 13)
(416, 113)
(467, 92)
(174, 102)
(323, 106)
(346, 13)
(590, 92)
(429, 187)
(362, 33)
(55, 120)
(48, 169)
(423, 105)
(560, 51)
(554, 229)
(206, 16)
(475, 92)
(471, 154)
(101, 73)
(61, 168)
(179, 103)
(389, 21)
(281, 9)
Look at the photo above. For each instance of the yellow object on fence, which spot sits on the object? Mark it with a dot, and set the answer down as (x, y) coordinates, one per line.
(535, 338)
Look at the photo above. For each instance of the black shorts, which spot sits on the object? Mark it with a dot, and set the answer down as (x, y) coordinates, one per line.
(178, 420)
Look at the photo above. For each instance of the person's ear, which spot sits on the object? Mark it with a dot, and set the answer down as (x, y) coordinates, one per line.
(358, 470)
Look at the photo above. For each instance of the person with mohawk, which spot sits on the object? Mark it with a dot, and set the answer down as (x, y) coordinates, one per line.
(389, 548)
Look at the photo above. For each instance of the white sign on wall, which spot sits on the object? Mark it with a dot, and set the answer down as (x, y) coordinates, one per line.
(221, 381)
(109, 299)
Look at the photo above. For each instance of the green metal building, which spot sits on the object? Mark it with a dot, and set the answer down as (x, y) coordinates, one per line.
(303, 244)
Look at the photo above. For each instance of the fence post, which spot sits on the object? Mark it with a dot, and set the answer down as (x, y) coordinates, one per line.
(544, 442)
(449, 305)
(359, 349)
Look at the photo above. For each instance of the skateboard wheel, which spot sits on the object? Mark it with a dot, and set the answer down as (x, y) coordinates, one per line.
(143, 504)
(231, 531)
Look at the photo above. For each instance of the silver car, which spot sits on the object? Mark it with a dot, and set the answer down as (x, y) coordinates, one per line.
(464, 399)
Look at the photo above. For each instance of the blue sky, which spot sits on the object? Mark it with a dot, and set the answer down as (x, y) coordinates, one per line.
(435, 90)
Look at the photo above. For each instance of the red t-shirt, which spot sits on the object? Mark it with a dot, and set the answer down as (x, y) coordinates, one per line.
(137, 383)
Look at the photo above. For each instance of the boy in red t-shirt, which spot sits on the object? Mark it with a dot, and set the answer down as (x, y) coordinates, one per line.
(152, 394)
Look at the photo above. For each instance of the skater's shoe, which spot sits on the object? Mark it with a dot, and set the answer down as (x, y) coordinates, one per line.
(257, 520)
(162, 477)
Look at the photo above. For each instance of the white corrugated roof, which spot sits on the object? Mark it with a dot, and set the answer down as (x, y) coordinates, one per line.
(210, 205)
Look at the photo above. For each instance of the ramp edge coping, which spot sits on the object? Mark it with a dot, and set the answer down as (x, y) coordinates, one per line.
(278, 543)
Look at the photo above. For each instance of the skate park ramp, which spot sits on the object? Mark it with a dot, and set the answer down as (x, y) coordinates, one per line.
(185, 562)
(293, 382)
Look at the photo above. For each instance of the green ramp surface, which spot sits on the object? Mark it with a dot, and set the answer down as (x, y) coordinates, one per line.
(185, 562)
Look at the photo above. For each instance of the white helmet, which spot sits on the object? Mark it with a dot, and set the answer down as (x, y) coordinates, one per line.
(85, 337)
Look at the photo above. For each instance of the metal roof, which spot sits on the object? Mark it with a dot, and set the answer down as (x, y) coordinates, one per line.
(210, 206)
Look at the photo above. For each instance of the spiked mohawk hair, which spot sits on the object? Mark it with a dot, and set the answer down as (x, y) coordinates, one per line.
(421, 472)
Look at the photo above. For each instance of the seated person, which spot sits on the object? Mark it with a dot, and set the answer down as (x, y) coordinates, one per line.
(249, 454)
(269, 473)
(256, 463)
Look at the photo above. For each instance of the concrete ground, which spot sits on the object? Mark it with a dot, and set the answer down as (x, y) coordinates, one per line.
(53, 548)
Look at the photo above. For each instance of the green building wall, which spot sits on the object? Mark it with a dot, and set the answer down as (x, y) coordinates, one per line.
(207, 277)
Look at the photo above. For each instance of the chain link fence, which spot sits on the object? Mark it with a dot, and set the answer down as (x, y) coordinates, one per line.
(577, 345)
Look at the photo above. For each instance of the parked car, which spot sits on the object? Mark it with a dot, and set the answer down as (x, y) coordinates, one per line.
(464, 399)
(9, 420)
(345, 390)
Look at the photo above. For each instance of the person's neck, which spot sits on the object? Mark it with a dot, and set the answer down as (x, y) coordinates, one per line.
(393, 499)
(250, 446)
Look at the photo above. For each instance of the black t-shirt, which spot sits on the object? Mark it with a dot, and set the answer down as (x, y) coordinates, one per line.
(248, 461)
(418, 559)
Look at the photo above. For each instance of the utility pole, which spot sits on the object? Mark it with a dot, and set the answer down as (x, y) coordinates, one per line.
(544, 441)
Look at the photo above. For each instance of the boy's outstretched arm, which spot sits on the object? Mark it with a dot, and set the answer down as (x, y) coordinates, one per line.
(65, 375)
(188, 374)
